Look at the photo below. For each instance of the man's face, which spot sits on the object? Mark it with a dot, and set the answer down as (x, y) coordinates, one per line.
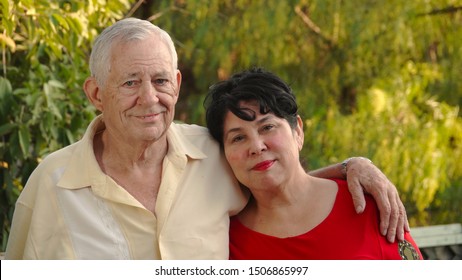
(141, 90)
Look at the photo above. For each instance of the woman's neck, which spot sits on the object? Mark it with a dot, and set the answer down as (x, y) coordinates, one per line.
(294, 210)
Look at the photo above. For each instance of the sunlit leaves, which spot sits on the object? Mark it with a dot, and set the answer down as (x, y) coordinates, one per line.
(412, 137)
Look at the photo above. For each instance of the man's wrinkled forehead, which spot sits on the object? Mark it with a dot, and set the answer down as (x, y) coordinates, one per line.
(141, 53)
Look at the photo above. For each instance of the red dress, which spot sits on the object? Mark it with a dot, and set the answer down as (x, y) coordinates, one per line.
(343, 235)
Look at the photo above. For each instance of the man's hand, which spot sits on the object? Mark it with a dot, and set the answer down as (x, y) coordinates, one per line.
(363, 175)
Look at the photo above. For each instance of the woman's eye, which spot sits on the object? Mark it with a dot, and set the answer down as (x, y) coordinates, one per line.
(268, 127)
(237, 139)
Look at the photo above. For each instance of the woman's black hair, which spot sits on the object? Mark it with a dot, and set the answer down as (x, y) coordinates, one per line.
(268, 90)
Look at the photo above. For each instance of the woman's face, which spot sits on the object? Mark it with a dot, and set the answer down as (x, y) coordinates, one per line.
(262, 153)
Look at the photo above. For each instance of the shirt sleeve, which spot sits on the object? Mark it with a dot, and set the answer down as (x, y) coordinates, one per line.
(19, 232)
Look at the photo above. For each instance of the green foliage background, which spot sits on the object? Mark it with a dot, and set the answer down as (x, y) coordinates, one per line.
(373, 78)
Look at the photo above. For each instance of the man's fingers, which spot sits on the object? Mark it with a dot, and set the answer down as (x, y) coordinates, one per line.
(400, 228)
(357, 193)
(394, 218)
(403, 224)
(385, 212)
(407, 228)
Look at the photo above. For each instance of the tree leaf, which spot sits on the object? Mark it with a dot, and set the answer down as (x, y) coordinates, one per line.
(24, 140)
(7, 128)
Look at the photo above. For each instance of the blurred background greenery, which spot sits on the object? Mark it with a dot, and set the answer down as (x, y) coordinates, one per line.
(373, 78)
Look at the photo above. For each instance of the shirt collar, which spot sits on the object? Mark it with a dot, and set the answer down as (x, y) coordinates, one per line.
(83, 169)
(180, 145)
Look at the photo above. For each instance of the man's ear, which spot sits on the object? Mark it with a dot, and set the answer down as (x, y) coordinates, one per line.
(93, 93)
(178, 82)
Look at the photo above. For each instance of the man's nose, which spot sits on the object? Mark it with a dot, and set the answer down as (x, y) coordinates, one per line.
(148, 94)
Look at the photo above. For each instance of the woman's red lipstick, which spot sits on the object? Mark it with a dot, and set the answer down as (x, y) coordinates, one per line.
(264, 165)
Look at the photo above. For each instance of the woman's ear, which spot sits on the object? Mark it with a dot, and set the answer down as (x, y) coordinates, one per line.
(93, 93)
(299, 133)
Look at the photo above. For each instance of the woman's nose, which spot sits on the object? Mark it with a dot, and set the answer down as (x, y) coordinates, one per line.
(257, 146)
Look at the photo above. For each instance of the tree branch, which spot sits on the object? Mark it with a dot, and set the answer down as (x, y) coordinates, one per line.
(135, 7)
(447, 10)
(312, 26)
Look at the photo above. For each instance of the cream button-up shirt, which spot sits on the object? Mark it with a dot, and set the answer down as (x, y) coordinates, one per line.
(70, 209)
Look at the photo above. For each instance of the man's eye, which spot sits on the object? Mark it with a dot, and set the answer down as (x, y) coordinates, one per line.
(129, 83)
(160, 82)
